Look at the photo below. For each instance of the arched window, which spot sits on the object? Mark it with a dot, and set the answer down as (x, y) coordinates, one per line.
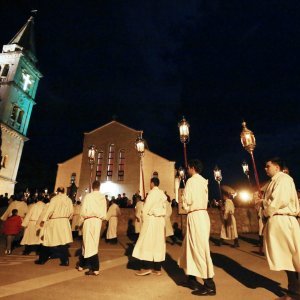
(110, 162)
(121, 166)
(155, 174)
(5, 71)
(20, 117)
(99, 165)
(14, 112)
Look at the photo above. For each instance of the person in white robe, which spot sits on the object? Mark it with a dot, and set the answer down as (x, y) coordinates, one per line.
(18, 204)
(41, 229)
(138, 215)
(169, 227)
(31, 237)
(195, 256)
(76, 219)
(228, 228)
(150, 247)
(112, 216)
(282, 231)
(93, 211)
(57, 231)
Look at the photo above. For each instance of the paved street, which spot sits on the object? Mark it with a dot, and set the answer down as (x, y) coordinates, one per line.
(240, 274)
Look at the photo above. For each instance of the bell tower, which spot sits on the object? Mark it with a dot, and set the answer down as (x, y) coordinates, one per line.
(19, 78)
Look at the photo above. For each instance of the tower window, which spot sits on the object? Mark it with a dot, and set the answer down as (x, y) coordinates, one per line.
(121, 166)
(5, 71)
(4, 161)
(110, 162)
(26, 81)
(14, 113)
(20, 117)
(99, 164)
(16, 117)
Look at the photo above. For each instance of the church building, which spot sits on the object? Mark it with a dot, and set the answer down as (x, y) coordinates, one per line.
(117, 164)
(19, 79)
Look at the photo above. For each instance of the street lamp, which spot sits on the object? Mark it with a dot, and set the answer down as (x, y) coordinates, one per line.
(246, 170)
(27, 194)
(218, 179)
(140, 148)
(181, 172)
(91, 158)
(249, 143)
(184, 133)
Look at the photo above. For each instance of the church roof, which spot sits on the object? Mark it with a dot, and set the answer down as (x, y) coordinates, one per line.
(110, 123)
(25, 37)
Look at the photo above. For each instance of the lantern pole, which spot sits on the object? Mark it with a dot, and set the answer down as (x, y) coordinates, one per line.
(184, 133)
(218, 179)
(91, 157)
(249, 144)
(140, 147)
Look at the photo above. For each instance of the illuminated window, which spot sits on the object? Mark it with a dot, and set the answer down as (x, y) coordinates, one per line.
(155, 174)
(121, 166)
(5, 71)
(26, 81)
(110, 162)
(99, 165)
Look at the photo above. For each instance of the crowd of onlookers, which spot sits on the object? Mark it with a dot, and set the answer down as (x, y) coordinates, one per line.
(13, 210)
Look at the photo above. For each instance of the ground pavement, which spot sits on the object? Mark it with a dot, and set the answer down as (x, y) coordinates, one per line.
(240, 274)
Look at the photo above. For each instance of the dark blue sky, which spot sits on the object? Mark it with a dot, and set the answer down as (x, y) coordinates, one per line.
(149, 63)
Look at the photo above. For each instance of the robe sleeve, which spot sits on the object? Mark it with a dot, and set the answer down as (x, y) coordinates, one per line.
(187, 196)
(103, 209)
(279, 198)
(7, 212)
(147, 204)
(109, 213)
(27, 218)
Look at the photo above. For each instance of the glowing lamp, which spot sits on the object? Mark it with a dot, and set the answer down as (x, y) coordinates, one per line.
(217, 174)
(140, 145)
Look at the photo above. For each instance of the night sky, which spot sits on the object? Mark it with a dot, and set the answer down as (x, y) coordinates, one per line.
(149, 63)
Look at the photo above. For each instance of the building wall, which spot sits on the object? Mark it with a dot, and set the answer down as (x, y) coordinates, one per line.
(12, 147)
(15, 96)
(65, 170)
(165, 169)
(123, 138)
(246, 220)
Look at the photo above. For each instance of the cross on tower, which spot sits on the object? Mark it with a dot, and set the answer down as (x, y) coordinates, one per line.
(26, 81)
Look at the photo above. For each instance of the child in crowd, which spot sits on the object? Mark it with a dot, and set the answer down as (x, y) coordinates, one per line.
(12, 226)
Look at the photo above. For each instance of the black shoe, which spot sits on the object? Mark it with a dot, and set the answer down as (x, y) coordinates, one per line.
(191, 284)
(236, 243)
(92, 273)
(205, 291)
(39, 262)
(65, 263)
